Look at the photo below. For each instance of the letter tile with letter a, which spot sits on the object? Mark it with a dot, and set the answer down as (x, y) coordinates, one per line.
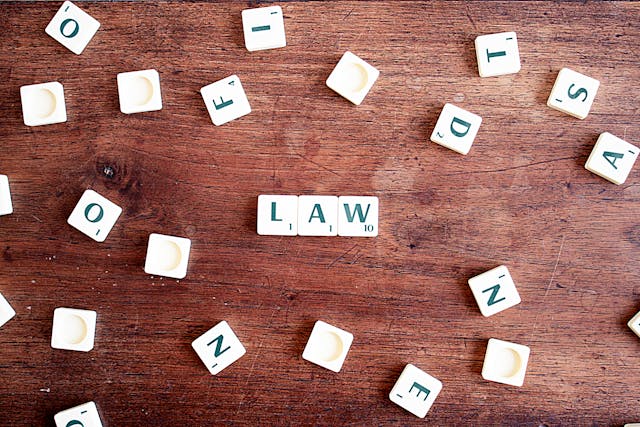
(494, 291)
(612, 158)
(218, 348)
(415, 391)
(317, 216)
(277, 215)
(225, 100)
(358, 216)
(456, 129)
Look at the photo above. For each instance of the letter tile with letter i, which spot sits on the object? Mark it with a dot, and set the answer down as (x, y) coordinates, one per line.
(85, 415)
(263, 28)
(218, 348)
(277, 215)
(72, 27)
(225, 100)
(456, 129)
(415, 391)
(317, 216)
(612, 158)
(497, 54)
(573, 93)
(94, 215)
(494, 291)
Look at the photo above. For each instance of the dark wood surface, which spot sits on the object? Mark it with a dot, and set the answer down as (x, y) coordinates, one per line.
(521, 198)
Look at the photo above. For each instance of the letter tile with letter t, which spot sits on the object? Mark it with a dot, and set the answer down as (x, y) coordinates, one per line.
(85, 415)
(277, 215)
(497, 54)
(494, 291)
(318, 216)
(612, 158)
(72, 27)
(225, 100)
(218, 348)
(415, 391)
(358, 216)
(94, 215)
(573, 93)
(456, 128)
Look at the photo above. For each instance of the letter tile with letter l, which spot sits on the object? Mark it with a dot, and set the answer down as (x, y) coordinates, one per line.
(456, 128)
(94, 215)
(358, 216)
(494, 291)
(277, 215)
(415, 391)
(225, 100)
(85, 415)
(72, 27)
(497, 54)
(573, 93)
(218, 348)
(318, 216)
(612, 158)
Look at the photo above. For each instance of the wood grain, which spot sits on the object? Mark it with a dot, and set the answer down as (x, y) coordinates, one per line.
(521, 198)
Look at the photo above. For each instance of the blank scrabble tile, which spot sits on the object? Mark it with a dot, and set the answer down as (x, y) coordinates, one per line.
(277, 215)
(6, 311)
(494, 291)
(456, 129)
(218, 348)
(352, 78)
(225, 100)
(415, 391)
(43, 104)
(85, 415)
(167, 256)
(634, 324)
(317, 216)
(263, 28)
(94, 215)
(6, 206)
(497, 54)
(358, 216)
(72, 27)
(139, 91)
(327, 346)
(505, 362)
(632, 425)
(73, 329)
(573, 93)
(612, 158)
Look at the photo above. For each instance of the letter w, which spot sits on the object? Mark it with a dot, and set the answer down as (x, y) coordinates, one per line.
(356, 210)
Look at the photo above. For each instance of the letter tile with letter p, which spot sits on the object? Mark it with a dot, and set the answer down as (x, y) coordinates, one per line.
(456, 129)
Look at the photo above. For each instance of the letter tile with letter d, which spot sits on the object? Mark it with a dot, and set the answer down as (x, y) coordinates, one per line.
(494, 291)
(456, 129)
(415, 391)
(612, 158)
(218, 348)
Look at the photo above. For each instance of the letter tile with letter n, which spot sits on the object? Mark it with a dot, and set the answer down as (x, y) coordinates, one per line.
(225, 100)
(317, 216)
(85, 415)
(358, 216)
(218, 348)
(72, 27)
(497, 54)
(612, 158)
(277, 215)
(456, 128)
(94, 215)
(415, 391)
(494, 291)
(573, 93)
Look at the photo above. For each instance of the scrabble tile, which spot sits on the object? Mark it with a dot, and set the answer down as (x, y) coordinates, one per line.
(94, 215)
(358, 216)
(277, 215)
(85, 415)
(263, 28)
(72, 27)
(494, 291)
(612, 158)
(634, 324)
(225, 100)
(6, 311)
(415, 391)
(505, 362)
(317, 216)
(456, 128)
(573, 93)
(497, 54)
(352, 78)
(632, 425)
(327, 346)
(139, 91)
(73, 329)
(218, 348)
(6, 207)
(167, 256)
(43, 104)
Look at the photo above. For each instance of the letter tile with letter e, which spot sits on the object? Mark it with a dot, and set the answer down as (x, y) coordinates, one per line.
(494, 291)
(573, 93)
(225, 100)
(456, 129)
(612, 158)
(218, 348)
(72, 27)
(497, 54)
(85, 415)
(415, 391)
(317, 216)
(277, 215)
(94, 215)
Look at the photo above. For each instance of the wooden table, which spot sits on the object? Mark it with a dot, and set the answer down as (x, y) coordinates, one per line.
(521, 197)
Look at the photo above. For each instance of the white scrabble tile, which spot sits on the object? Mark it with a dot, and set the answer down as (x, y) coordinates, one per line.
(73, 329)
(612, 158)
(263, 28)
(43, 104)
(225, 100)
(6, 311)
(72, 27)
(573, 93)
(167, 256)
(632, 425)
(6, 207)
(327, 346)
(358, 216)
(456, 128)
(352, 78)
(505, 362)
(497, 54)
(94, 215)
(85, 415)
(317, 216)
(634, 324)
(218, 348)
(139, 91)
(277, 215)
(494, 291)
(415, 391)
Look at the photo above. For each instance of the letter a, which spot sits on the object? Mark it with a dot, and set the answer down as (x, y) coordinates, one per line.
(320, 215)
